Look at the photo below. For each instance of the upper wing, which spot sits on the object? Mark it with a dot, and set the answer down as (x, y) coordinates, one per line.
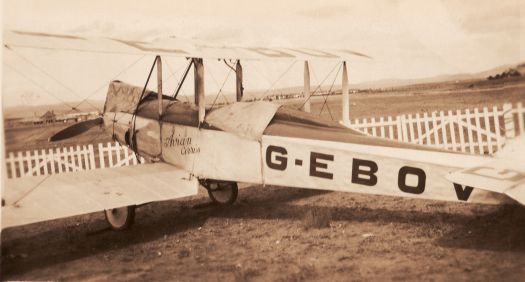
(169, 47)
(40, 198)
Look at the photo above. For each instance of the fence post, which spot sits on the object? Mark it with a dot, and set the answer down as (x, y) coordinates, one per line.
(508, 119)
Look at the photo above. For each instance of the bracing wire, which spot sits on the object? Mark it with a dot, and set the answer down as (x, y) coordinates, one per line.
(329, 91)
(38, 85)
(112, 78)
(69, 89)
(320, 84)
(279, 78)
(220, 90)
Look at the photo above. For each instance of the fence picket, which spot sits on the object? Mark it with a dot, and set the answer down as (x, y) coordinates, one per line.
(486, 118)
(20, 161)
(496, 126)
(399, 131)
(85, 160)
(36, 169)
(404, 128)
(110, 154)
(118, 149)
(101, 160)
(443, 126)
(469, 132)
(58, 159)
(92, 164)
(374, 132)
(126, 155)
(412, 137)
(382, 127)
(29, 162)
(45, 158)
(419, 132)
(51, 161)
(11, 161)
(452, 131)
(79, 158)
(427, 129)
(479, 136)
(390, 128)
(434, 129)
(461, 130)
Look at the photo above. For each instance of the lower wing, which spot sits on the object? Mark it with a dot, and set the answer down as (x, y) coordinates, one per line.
(34, 199)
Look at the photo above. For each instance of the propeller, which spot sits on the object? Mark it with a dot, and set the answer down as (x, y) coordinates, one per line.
(76, 129)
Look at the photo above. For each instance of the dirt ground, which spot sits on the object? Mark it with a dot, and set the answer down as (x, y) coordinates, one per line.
(287, 234)
(268, 235)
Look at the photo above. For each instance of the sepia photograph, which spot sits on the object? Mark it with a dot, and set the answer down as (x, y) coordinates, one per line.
(337, 140)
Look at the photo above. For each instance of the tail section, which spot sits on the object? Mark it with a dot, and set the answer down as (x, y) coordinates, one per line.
(505, 174)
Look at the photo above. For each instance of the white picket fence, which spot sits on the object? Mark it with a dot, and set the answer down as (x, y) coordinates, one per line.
(470, 131)
(68, 159)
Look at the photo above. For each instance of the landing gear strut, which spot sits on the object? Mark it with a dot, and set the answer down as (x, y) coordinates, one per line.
(221, 192)
(120, 218)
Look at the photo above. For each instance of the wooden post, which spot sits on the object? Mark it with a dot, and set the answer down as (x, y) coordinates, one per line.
(307, 103)
(508, 120)
(159, 84)
(238, 81)
(199, 87)
(345, 97)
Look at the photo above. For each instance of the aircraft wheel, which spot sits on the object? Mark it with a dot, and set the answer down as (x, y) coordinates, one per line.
(222, 192)
(120, 218)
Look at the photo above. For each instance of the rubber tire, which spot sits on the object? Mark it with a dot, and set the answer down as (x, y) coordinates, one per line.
(223, 201)
(129, 214)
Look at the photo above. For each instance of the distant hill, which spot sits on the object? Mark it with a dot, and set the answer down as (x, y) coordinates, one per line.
(441, 78)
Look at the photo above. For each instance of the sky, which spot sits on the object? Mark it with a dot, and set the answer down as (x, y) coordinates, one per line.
(407, 39)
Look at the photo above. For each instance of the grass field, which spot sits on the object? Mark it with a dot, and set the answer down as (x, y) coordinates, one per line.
(285, 234)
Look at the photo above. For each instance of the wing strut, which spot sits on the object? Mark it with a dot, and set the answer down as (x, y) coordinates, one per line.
(199, 87)
(345, 97)
(159, 84)
(238, 80)
(306, 106)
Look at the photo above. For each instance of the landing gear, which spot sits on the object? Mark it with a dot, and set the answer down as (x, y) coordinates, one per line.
(221, 192)
(120, 218)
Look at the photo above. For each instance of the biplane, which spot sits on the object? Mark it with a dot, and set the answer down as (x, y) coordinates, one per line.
(188, 144)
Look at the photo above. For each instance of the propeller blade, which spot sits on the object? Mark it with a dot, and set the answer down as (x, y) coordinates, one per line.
(76, 129)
